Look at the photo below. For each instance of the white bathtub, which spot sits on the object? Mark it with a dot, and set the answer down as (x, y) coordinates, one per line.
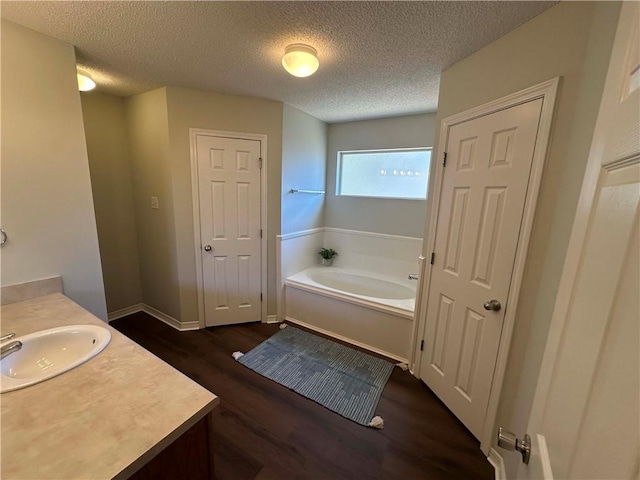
(368, 309)
(377, 291)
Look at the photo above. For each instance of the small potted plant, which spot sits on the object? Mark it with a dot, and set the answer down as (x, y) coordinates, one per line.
(327, 255)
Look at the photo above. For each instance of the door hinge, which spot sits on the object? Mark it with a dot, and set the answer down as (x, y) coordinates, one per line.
(444, 159)
(260, 162)
(421, 345)
(260, 296)
(260, 233)
(433, 257)
(508, 441)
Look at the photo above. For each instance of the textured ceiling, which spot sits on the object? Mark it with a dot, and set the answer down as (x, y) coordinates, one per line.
(377, 59)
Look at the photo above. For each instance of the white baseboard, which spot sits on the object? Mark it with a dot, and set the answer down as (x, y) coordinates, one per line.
(345, 339)
(272, 319)
(123, 312)
(163, 317)
(496, 460)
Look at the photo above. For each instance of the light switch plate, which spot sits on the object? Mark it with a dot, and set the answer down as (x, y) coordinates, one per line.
(154, 203)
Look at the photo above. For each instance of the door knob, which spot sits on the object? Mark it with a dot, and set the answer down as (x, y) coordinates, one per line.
(208, 248)
(508, 441)
(493, 305)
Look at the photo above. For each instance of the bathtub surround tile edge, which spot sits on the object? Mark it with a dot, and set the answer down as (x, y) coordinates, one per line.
(301, 233)
(362, 233)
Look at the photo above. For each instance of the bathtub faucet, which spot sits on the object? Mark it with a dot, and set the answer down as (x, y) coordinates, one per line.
(413, 276)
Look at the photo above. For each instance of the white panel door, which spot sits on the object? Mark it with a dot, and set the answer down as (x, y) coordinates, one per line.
(481, 207)
(229, 189)
(585, 420)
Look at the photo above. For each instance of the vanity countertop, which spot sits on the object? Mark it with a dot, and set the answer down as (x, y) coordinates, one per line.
(104, 419)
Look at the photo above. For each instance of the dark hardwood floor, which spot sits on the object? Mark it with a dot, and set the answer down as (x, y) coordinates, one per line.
(265, 431)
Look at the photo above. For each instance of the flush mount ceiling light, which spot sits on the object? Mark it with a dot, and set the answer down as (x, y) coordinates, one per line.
(85, 82)
(300, 60)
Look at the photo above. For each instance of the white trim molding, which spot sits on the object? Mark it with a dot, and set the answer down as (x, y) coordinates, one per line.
(547, 91)
(163, 317)
(300, 233)
(279, 282)
(123, 312)
(421, 294)
(155, 313)
(311, 231)
(497, 461)
(193, 135)
(360, 233)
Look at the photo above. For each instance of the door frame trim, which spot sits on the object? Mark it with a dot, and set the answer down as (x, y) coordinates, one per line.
(194, 133)
(547, 91)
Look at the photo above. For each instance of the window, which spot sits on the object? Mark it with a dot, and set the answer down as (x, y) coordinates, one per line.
(398, 173)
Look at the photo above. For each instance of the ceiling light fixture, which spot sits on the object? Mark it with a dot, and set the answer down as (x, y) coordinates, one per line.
(85, 82)
(300, 60)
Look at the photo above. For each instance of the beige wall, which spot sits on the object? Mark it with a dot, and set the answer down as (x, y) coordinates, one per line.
(572, 40)
(108, 148)
(199, 109)
(47, 208)
(304, 158)
(394, 217)
(148, 126)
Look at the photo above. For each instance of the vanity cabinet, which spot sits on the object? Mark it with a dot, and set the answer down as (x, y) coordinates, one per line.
(189, 457)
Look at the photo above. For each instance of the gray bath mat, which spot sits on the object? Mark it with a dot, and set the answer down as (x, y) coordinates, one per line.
(344, 380)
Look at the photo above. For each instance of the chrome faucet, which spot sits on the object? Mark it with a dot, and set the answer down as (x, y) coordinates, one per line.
(9, 348)
(413, 276)
(8, 336)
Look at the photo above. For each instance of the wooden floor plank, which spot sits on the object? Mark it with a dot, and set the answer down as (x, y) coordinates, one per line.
(265, 431)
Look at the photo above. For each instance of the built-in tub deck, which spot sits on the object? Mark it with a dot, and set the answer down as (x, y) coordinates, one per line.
(365, 308)
(360, 286)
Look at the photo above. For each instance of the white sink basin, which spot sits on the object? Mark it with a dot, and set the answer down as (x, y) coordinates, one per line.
(48, 353)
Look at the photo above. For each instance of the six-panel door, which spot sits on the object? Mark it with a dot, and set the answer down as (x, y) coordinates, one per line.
(481, 208)
(229, 191)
